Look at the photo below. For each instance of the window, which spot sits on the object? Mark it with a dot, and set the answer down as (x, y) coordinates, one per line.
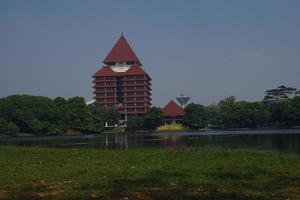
(140, 82)
(130, 93)
(129, 82)
(110, 83)
(110, 78)
(110, 94)
(130, 77)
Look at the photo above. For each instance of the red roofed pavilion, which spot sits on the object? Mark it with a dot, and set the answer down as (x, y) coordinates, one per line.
(122, 83)
(173, 114)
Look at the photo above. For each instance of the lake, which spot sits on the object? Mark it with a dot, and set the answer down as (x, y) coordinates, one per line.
(283, 141)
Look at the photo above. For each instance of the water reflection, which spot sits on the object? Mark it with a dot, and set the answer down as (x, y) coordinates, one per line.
(287, 141)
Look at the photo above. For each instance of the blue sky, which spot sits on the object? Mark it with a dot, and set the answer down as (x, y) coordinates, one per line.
(205, 49)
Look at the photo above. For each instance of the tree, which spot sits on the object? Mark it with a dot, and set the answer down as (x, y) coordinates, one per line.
(280, 93)
(226, 115)
(77, 113)
(153, 118)
(135, 123)
(111, 116)
(8, 128)
(33, 114)
(296, 109)
(195, 116)
(97, 116)
(251, 114)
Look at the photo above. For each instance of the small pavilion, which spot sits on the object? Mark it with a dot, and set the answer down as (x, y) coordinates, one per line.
(172, 114)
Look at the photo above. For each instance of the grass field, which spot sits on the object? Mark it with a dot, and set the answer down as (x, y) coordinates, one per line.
(185, 173)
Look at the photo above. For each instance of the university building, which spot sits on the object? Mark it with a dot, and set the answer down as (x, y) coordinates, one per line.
(122, 83)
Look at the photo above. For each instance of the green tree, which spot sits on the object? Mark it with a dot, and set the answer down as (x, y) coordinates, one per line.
(97, 118)
(77, 113)
(8, 128)
(226, 114)
(283, 113)
(135, 123)
(251, 114)
(111, 116)
(296, 109)
(280, 93)
(33, 114)
(153, 118)
(195, 116)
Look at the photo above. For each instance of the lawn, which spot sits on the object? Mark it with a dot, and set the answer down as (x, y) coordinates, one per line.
(184, 173)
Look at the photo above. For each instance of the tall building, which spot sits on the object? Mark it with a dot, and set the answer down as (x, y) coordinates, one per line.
(122, 83)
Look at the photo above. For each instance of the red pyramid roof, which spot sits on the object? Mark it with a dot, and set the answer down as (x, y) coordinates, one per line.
(172, 109)
(121, 52)
(105, 71)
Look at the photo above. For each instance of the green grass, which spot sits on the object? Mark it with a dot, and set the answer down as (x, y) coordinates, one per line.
(185, 173)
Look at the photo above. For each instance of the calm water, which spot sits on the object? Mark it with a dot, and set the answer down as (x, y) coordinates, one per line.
(285, 141)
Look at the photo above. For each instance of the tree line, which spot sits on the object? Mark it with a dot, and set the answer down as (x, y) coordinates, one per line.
(279, 108)
(44, 116)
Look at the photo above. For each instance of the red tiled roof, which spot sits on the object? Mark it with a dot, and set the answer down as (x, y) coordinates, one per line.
(121, 52)
(172, 109)
(105, 71)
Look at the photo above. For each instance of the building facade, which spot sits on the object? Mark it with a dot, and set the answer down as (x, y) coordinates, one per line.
(122, 83)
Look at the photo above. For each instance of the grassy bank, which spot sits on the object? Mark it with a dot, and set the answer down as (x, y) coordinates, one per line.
(187, 173)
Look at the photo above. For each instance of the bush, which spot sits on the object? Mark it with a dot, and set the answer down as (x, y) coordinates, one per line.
(135, 123)
(8, 128)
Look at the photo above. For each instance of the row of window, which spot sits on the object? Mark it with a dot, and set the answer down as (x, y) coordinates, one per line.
(124, 88)
(125, 77)
(122, 82)
(125, 109)
(136, 104)
(125, 99)
(112, 94)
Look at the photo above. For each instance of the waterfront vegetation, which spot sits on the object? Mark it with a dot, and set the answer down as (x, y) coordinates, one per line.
(43, 116)
(184, 173)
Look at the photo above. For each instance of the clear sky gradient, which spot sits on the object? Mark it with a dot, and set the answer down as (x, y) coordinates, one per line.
(205, 49)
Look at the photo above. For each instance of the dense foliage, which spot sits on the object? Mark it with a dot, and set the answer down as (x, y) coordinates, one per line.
(44, 116)
(153, 118)
(195, 116)
(135, 123)
(279, 108)
(150, 121)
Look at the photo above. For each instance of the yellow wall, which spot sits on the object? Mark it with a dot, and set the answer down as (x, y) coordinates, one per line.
(171, 127)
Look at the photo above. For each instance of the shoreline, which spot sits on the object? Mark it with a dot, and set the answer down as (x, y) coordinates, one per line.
(93, 135)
